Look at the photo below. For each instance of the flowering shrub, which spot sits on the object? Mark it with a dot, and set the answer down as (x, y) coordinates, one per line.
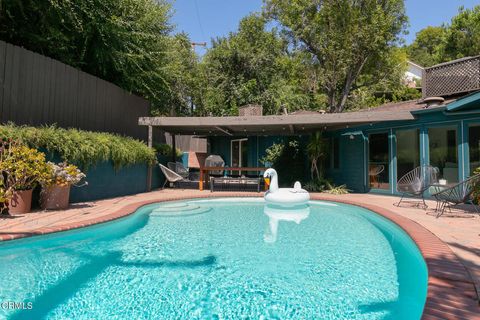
(476, 188)
(63, 174)
(22, 168)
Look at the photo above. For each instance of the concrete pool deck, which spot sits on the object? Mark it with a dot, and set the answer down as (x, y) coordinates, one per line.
(450, 244)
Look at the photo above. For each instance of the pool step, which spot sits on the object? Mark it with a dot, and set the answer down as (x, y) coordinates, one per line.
(178, 211)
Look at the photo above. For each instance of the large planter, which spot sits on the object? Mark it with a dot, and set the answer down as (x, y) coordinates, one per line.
(21, 202)
(55, 197)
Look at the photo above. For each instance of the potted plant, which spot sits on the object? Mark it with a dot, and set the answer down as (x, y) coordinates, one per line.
(21, 168)
(55, 193)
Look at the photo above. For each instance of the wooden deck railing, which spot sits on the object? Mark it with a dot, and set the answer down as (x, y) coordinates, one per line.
(450, 78)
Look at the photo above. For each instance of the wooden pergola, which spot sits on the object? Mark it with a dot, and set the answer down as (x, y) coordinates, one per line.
(268, 125)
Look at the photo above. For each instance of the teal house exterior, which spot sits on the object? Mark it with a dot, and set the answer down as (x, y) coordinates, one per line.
(372, 157)
(446, 137)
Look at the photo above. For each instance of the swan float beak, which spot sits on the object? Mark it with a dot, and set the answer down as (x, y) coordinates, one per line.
(267, 181)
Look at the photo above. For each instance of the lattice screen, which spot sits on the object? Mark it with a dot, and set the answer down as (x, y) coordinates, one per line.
(452, 78)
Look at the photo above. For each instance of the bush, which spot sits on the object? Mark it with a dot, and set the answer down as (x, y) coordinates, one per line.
(288, 159)
(21, 167)
(84, 148)
(476, 188)
(323, 185)
(166, 150)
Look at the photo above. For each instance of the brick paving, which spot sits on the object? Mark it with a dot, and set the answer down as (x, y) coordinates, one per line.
(450, 244)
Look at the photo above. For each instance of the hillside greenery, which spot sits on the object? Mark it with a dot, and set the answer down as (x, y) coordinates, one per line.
(332, 55)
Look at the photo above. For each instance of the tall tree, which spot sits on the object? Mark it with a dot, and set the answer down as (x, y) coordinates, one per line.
(127, 42)
(182, 76)
(347, 39)
(463, 34)
(457, 39)
(427, 49)
(251, 66)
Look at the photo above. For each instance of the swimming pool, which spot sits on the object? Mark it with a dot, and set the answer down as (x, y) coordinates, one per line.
(221, 258)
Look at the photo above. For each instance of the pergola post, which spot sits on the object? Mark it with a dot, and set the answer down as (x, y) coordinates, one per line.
(150, 168)
(174, 148)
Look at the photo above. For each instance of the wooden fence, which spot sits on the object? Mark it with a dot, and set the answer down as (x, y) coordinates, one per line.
(36, 90)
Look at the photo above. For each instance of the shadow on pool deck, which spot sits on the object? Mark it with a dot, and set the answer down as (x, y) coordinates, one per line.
(67, 287)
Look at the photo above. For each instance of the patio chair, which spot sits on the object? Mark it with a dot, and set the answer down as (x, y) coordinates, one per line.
(373, 172)
(178, 168)
(170, 175)
(461, 193)
(414, 183)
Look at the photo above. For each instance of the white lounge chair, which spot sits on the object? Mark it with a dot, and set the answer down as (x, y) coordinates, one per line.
(170, 175)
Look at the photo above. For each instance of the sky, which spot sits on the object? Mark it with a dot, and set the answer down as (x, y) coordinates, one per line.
(207, 19)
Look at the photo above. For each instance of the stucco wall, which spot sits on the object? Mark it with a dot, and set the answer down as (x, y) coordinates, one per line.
(104, 181)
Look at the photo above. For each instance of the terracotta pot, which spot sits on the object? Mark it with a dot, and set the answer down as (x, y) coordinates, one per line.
(55, 197)
(21, 202)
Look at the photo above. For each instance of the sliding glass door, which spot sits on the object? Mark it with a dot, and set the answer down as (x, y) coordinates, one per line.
(408, 151)
(378, 161)
(443, 152)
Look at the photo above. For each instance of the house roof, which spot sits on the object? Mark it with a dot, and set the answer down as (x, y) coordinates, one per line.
(269, 125)
(467, 102)
(304, 121)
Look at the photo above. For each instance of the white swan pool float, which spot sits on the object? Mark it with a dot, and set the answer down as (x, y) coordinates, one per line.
(286, 197)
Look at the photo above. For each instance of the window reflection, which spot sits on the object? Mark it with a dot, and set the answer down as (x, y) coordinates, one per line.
(443, 152)
(408, 151)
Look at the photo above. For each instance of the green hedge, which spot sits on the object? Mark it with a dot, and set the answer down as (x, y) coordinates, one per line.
(85, 148)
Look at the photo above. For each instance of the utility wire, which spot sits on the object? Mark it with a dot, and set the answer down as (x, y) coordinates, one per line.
(198, 19)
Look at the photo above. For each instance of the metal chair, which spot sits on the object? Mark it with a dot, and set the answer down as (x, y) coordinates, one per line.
(414, 183)
(178, 168)
(170, 175)
(461, 193)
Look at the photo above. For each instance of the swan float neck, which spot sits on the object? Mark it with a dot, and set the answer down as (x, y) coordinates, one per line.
(283, 196)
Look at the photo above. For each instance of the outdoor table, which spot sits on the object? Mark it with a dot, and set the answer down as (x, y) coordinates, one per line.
(204, 172)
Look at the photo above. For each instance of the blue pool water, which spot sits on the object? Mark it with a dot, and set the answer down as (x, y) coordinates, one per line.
(219, 259)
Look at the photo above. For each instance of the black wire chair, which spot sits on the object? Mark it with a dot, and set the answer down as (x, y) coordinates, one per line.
(461, 193)
(414, 183)
(178, 168)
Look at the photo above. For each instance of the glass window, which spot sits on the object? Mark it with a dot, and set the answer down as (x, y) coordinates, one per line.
(378, 160)
(443, 152)
(408, 151)
(474, 147)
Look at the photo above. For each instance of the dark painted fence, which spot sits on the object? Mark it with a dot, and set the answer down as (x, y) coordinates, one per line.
(36, 90)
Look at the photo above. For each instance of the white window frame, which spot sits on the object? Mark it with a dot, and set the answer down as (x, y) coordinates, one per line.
(240, 164)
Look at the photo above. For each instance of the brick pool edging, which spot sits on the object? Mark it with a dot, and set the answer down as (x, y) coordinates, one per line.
(451, 292)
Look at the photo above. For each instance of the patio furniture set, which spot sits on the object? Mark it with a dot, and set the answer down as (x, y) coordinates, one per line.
(215, 174)
(416, 182)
